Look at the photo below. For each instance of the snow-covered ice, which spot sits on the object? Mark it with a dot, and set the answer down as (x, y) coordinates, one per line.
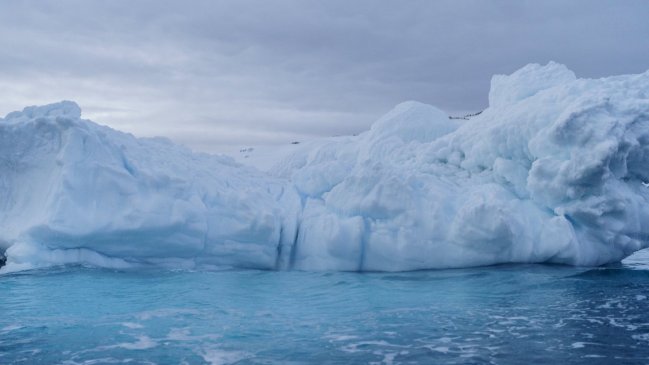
(72, 191)
(555, 170)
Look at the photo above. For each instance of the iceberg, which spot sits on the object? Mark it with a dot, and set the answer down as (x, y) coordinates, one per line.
(72, 191)
(555, 170)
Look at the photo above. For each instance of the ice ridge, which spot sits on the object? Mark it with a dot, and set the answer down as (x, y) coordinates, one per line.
(555, 170)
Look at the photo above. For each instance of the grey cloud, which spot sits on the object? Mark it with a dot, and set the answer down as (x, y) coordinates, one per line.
(246, 72)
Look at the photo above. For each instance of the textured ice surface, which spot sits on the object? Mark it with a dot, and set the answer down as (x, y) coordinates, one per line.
(72, 191)
(555, 170)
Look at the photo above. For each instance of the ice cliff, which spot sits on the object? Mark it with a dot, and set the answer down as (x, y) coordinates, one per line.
(72, 191)
(555, 170)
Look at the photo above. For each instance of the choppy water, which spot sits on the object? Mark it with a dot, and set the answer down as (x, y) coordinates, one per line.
(502, 315)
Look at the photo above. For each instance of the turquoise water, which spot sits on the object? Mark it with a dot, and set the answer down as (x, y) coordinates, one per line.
(501, 315)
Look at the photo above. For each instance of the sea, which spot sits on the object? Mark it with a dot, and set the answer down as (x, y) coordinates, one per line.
(507, 314)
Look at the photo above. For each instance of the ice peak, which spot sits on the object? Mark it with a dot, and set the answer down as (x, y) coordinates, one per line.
(527, 81)
(67, 109)
(413, 121)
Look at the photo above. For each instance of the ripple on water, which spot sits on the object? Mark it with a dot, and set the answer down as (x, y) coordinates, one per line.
(502, 315)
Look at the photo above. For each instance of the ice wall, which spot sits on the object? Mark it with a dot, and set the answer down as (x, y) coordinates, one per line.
(552, 171)
(72, 191)
(555, 170)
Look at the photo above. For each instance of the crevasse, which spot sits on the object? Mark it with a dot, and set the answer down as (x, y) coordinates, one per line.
(555, 170)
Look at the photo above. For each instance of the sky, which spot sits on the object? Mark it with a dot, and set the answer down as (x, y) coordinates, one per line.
(213, 75)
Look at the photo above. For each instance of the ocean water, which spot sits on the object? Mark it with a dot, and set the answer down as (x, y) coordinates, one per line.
(512, 314)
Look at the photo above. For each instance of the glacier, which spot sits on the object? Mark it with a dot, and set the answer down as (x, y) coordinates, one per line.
(555, 170)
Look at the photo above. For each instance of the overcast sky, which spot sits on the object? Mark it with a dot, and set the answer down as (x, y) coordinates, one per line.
(214, 74)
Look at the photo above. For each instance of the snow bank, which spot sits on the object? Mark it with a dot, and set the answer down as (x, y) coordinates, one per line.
(555, 170)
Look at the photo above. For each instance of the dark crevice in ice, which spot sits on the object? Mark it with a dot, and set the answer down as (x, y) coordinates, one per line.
(128, 167)
(278, 259)
(291, 262)
(363, 243)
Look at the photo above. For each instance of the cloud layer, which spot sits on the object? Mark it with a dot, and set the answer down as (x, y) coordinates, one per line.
(216, 74)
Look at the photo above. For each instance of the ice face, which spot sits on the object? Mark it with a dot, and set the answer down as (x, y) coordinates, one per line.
(73, 191)
(555, 170)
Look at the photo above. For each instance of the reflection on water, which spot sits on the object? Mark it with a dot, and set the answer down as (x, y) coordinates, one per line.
(509, 314)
